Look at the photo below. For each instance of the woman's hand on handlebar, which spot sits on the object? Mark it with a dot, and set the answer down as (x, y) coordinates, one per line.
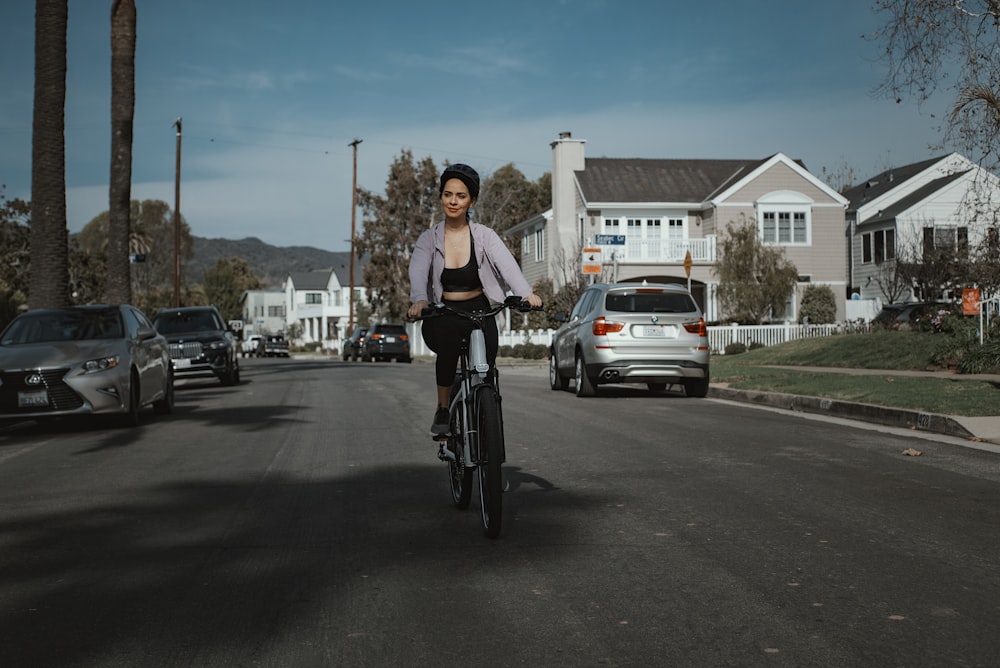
(416, 309)
(534, 300)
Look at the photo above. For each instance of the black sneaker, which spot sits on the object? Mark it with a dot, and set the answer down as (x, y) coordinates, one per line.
(440, 425)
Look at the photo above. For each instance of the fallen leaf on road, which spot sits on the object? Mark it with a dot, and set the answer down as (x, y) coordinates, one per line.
(910, 452)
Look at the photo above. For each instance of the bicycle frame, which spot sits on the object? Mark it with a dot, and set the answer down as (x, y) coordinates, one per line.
(476, 420)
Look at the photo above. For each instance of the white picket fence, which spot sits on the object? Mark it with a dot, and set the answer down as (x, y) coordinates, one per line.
(719, 336)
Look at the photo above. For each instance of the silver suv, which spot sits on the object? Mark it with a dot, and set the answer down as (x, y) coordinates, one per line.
(631, 333)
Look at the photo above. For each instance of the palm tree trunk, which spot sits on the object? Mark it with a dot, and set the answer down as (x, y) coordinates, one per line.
(123, 29)
(48, 283)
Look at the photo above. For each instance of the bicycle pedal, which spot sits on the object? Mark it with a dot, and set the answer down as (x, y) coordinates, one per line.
(445, 455)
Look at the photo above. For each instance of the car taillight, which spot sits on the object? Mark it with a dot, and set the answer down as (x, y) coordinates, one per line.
(696, 327)
(375, 336)
(602, 327)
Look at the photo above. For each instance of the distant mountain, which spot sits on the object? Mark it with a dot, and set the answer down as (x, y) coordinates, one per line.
(270, 264)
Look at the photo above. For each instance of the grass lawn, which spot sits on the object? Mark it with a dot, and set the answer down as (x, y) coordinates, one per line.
(944, 393)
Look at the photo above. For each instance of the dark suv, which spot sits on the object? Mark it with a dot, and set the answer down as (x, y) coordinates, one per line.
(386, 342)
(354, 344)
(200, 343)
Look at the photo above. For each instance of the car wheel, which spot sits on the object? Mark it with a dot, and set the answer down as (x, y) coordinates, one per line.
(230, 376)
(556, 381)
(584, 386)
(165, 406)
(696, 388)
(131, 417)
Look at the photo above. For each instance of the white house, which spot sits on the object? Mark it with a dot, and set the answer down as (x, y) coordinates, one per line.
(947, 201)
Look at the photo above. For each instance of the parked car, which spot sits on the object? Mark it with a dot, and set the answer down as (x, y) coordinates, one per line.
(631, 333)
(907, 315)
(200, 343)
(386, 342)
(274, 345)
(251, 346)
(354, 343)
(103, 359)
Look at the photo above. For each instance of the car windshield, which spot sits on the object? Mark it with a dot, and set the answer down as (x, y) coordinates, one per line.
(184, 322)
(68, 325)
(638, 301)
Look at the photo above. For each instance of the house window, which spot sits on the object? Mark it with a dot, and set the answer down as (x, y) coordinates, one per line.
(314, 298)
(785, 226)
(525, 244)
(947, 237)
(611, 226)
(276, 311)
(675, 228)
(539, 244)
(878, 246)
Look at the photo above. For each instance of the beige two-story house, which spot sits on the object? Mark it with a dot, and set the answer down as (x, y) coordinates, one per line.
(661, 221)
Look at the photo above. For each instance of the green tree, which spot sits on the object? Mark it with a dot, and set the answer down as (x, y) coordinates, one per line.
(151, 235)
(755, 280)
(391, 225)
(933, 44)
(49, 274)
(819, 305)
(225, 284)
(123, 29)
(508, 198)
(15, 256)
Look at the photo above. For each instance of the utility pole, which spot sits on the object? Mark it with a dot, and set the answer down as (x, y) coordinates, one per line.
(177, 218)
(354, 213)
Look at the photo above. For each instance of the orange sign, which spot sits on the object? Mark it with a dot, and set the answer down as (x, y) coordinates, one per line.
(687, 264)
(970, 301)
(591, 261)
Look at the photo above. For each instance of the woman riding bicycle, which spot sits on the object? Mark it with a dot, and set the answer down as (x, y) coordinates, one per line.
(467, 266)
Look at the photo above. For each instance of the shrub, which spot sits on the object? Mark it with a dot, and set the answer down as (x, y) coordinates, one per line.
(819, 305)
(735, 348)
(981, 358)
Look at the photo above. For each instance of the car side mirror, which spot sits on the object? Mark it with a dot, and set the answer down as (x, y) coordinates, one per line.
(145, 333)
(559, 316)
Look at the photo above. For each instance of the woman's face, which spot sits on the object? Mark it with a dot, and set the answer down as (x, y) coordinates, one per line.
(455, 199)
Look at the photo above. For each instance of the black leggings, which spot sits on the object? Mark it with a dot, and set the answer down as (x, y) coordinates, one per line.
(443, 334)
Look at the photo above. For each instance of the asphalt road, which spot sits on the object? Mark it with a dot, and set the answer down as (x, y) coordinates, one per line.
(302, 519)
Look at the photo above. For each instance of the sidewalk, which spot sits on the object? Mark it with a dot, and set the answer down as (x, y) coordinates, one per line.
(983, 429)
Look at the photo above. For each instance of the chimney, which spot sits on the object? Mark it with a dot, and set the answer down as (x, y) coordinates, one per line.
(567, 157)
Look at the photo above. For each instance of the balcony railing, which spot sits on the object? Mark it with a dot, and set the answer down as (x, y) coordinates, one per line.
(667, 251)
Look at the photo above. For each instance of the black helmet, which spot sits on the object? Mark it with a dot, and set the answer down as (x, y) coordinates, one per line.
(463, 173)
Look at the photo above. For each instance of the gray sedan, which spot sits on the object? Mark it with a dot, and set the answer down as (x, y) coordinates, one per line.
(102, 359)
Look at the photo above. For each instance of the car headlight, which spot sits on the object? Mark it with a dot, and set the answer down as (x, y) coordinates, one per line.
(216, 345)
(100, 364)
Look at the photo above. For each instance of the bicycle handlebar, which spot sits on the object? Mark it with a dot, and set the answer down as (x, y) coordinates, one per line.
(513, 302)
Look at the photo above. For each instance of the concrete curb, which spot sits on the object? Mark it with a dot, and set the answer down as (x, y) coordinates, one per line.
(891, 417)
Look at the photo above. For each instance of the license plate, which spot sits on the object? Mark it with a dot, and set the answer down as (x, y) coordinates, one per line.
(182, 363)
(390, 339)
(32, 399)
(653, 331)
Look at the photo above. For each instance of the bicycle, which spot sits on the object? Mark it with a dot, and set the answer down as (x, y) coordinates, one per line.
(475, 440)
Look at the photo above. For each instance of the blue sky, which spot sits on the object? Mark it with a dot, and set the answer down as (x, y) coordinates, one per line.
(271, 94)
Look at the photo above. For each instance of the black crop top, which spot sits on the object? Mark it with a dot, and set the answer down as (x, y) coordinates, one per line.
(463, 279)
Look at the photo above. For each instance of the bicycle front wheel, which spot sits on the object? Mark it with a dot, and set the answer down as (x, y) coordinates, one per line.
(459, 475)
(490, 458)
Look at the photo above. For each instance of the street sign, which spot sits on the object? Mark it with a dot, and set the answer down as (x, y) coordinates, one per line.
(687, 264)
(610, 239)
(592, 263)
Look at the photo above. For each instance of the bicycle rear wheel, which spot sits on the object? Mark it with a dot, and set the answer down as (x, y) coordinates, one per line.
(459, 475)
(489, 451)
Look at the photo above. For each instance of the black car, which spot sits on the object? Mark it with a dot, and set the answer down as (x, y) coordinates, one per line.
(911, 315)
(386, 342)
(200, 343)
(354, 344)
